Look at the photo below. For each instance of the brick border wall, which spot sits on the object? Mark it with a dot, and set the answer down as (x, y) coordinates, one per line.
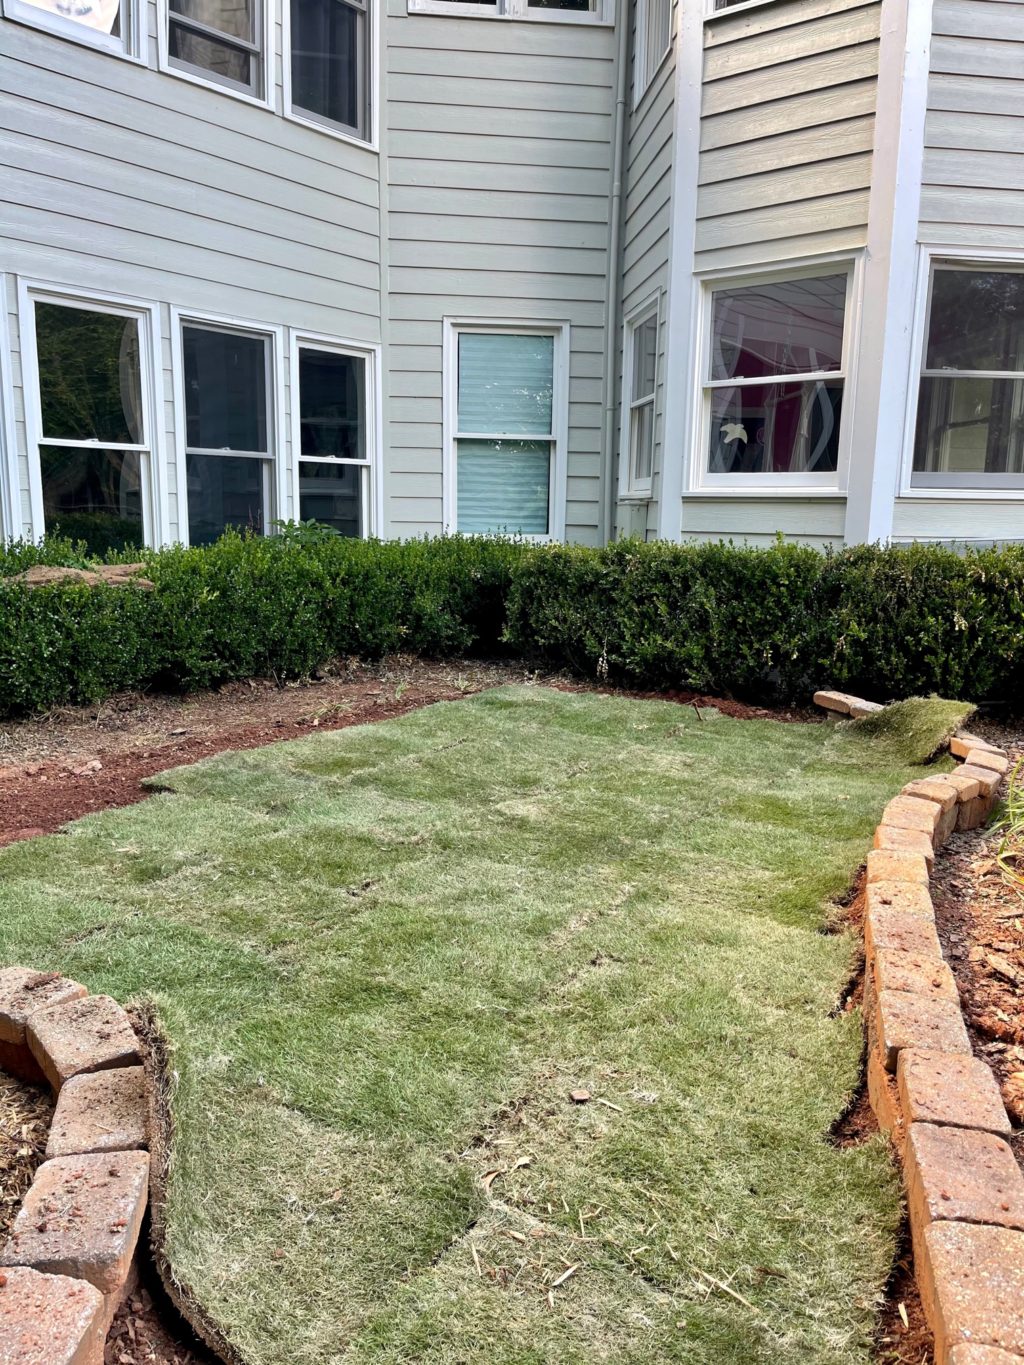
(940, 1105)
(70, 1258)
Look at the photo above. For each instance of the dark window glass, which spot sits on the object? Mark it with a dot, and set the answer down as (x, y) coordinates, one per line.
(223, 491)
(231, 18)
(332, 493)
(329, 53)
(581, 6)
(776, 428)
(976, 321)
(331, 417)
(89, 375)
(777, 328)
(220, 60)
(225, 390)
(218, 36)
(93, 495)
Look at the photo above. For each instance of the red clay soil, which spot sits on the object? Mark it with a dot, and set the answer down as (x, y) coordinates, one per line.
(148, 1331)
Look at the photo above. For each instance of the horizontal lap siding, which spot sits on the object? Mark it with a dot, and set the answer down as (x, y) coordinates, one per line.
(786, 131)
(974, 138)
(757, 521)
(498, 169)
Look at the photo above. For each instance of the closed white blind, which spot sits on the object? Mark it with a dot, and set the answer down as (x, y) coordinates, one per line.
(503, 487)
(505, 383)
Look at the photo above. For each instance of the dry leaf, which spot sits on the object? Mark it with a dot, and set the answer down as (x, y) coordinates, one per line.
(902, 1307)
(565, 1275)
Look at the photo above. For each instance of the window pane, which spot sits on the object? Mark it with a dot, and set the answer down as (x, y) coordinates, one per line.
(645, 358)
(505, 383)
(332, 493)
(328, 59)
(223, 491)
(642, 441)
(777, 328)
(503, 486)
(90, 385)
(225, 390)
(976, 321)
(581, 6)
(233, 18)
(970, 426)
(659, 23)
(220, 60)
(776, 428)
(103, 16)
(331, 403)
(93, 495)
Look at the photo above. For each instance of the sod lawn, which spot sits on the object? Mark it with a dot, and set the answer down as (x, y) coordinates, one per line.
(384, 958)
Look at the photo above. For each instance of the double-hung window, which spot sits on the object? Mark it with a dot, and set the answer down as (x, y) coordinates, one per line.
(219, 40)
(651, 38)
(773, 388)
(229, 453)
(506, 420)
(89, 428)
(330, 437)
(970, 412)
(553, 11)
(330, 61)
(641, 379)
(108, 24)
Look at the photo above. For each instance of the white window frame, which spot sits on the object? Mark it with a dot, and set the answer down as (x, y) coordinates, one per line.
(11, 517)
(701, 481)
(712, 13)
(194, 75)
(603, 14)
(129, 46)
(557, 490)
(371, 139)
(632, 489)
(276, 483)
(956, 258)
(642, 77)
(147, 314)
(373, 464)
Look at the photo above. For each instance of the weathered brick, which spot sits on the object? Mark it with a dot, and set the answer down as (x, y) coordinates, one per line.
(93, 1034)
(985, 758)
(919, 973)
(966, 787)
(947, 824)
(986, 779)
(911, 812)
(973, 814)
(858, 709)
(945, 1088)
(937, 789)
(885, 866)
(49, 1320)
(962, 743)
(23, 991)
(961, 1174)
(972, 1285)
(912, 898)
(981, 1355)
(884, 1098)
(81, 1217)
(904, 1020)
(893, 839)
(896, 929)
(835, 701)
(104, 1111)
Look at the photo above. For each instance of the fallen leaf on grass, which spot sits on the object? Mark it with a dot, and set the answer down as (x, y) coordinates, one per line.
(488, 1178)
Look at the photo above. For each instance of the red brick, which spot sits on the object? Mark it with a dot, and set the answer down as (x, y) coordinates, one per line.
(937, 789)
(839, 702)
(912, 898)
(896, 867)
(49, 1320)
(966, 786)
(910, 812)
(904, 1020)
(961, 745)
(981, 1355)
(961, 1174)
(893, 839)
(885, 928)
(986, 779)
(884, 1098)
(81, 1217)
(943, 1088)
(93, 1034)
(972, 1285)
(985, 758)
(23, 991)
(973, 814)
(104, 1111)
(918, 973)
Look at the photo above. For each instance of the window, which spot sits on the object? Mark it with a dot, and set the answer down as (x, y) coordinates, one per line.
(970, 412)
(228, 424)
(774, 388)
(330, 438)
(651, 40)
(329, 62)
(89, 429)
(550, 11)
(505, 429)
(218, 40)
(108, 24)
(641, 377)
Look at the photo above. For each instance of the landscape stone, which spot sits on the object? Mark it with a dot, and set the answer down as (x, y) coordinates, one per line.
(973, 814)
(985, 758)
(966, 786)
(948, 1088)
(961, 1174)
(981, 1355)
(23, 991)
(49, 1320)
(83, 1035)
(904, 1020)
(897, 840)
(962, 743)
(103, 1111)
(911, 812)
(938, 789)
(896, 866)
(987, 780)
(972, 1285)
(840, 702)
(919, 973)
(890, 928)
(912, 898)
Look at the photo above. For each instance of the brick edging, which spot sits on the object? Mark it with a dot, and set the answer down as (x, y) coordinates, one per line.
(70, 1258)
(940, 1104)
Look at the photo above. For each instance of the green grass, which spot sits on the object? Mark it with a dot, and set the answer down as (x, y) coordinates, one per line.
(385, 955)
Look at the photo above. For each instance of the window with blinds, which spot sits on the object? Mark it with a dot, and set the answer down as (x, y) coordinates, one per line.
(651, 38)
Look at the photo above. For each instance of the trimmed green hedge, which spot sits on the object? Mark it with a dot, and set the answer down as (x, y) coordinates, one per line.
(760, 624)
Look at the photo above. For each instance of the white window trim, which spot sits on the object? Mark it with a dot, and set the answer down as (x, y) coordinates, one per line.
(630, 491)
(372, 406)
(700, 481)
(131, 50)
(742, 7)
(603, 15)
(371, 142)
(559, 414)
(643, 80)
(279, 480)
(154, 502)
(958, 257)
(10, 474)
(269, 60)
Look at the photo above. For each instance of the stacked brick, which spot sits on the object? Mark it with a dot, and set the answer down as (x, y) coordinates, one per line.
(941, 1106)
(70, 1257)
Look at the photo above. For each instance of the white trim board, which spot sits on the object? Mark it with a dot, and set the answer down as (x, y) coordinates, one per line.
(11, 520)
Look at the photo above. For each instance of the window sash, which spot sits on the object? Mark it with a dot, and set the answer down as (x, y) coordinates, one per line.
(252, 48)
(122, 44)
(361, 127)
